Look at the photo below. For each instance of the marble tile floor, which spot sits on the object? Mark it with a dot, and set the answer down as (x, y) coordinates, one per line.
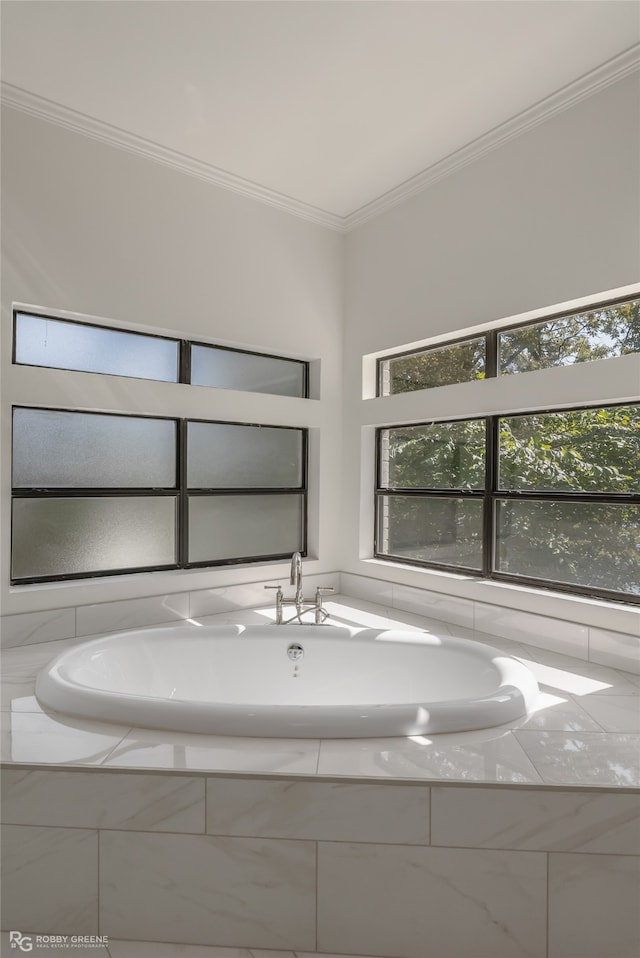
(585, 731)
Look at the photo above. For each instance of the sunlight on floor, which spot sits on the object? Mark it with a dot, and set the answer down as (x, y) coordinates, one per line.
(563, 680)
(347, 615)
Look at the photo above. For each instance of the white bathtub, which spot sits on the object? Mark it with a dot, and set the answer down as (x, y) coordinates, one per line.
(292, 681)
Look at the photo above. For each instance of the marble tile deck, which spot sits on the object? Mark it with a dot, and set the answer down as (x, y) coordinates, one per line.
(584, 731)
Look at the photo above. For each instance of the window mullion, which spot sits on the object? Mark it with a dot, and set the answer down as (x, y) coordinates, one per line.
(491, 479)
(183, 499)
(491, 367)
(184, 374)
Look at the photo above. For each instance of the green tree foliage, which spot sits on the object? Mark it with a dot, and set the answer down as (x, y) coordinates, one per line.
(591, 544)
(594, 544)
(575, 451)
(595, 334)
(580, 338)
(441, 455)
(586, 543)
(460, 363)
(581, 450)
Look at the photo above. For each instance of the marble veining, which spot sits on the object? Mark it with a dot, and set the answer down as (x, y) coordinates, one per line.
(498, 900)
(609, 885)
(58, 869)
(333, 811)
(76, 799)
(35, 627)
(551, 820)
(200, 888)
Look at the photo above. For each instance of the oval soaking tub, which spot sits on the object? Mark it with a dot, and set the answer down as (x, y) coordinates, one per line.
(302, 681)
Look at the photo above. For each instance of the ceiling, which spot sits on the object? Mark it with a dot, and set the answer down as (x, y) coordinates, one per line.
(331, 109)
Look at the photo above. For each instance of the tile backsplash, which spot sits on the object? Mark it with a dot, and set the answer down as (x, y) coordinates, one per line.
(29, 628)
(620, 650)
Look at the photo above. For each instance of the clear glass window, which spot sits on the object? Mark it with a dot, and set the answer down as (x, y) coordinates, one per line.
(590, 544)
(440, 366)
(600, 333)
(550, 498)
(580, 450)
(441, 455)
(436, 530)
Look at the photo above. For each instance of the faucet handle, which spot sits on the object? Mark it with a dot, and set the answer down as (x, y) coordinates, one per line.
(325, 590)
(278, 586)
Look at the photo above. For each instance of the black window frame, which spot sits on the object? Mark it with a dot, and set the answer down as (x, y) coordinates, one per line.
(183, 371)
(489, 360)
(492, 343)
(188, 492)
(491, 495)
(112, 329)
(189, 343)
(431, 492)
(180, 492)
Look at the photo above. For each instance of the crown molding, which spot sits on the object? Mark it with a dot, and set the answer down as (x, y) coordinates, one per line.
(591, 83)
(43, 109)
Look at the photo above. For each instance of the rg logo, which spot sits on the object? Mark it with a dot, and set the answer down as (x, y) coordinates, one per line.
(18, 940)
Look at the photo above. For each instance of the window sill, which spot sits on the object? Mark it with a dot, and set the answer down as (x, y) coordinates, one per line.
(595, 612)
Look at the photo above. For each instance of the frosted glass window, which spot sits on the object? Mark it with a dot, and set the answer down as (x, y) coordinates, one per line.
(60, 344)
(53, 537)
(230, 369)
(226, 456)
(245, 526)
(55, 448)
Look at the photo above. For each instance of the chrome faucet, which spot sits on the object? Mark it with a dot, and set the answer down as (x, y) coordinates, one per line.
(295, 578)
(301, 604)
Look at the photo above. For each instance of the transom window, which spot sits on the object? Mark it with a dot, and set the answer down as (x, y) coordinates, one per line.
(69, 344)
(601, 332)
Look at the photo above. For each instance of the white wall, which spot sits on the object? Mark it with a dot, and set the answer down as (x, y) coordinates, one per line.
(550, 217)
(96, 231)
